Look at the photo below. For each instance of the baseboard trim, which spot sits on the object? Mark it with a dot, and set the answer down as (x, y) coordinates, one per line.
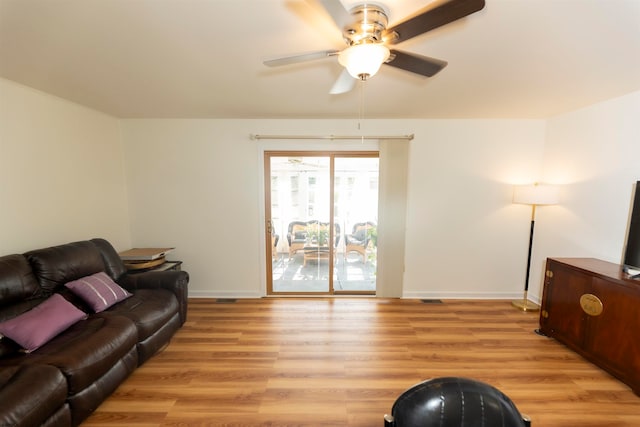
(223, 294)
(466, 295)
(406, 295)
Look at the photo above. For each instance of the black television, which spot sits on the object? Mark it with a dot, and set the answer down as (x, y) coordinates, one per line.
(631, 263)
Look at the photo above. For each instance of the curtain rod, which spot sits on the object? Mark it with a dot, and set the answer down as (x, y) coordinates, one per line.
(332, 137)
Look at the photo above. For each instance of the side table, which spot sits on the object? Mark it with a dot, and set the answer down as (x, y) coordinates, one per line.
(165, 266)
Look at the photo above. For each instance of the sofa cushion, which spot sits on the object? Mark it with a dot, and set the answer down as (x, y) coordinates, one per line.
(113, 264)
(37, 326)
(173, 281)
(57, 265)
(17, 281)
(88, 350)
(149, 309)
(98, 291)
(86, 401)
(31, 394)
(8, 348)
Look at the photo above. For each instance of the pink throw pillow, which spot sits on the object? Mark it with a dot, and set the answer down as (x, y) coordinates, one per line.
(34, 328)
(98, 291)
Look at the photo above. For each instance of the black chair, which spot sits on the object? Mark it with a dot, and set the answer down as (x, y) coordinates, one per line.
(454, 402)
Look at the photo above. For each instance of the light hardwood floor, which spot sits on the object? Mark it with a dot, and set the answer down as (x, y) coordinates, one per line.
(343, 361)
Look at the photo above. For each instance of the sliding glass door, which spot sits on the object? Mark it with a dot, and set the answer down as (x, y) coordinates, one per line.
(356, 211)
(321, 219)
(300, 223)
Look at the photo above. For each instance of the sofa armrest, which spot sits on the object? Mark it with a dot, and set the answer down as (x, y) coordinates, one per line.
(172, 280)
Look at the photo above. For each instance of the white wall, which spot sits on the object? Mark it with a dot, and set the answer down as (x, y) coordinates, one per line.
(61, 173)
(195, 184)
(465, 238)
(594, 153)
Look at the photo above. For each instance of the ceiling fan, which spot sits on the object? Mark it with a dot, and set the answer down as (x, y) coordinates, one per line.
(364, 29)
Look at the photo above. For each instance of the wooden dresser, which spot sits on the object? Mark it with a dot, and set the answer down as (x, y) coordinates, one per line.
(593, 308)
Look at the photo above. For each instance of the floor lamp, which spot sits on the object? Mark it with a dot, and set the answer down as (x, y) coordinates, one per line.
(534, 195)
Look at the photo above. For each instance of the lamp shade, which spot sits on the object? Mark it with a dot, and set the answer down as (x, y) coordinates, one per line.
(535, 194)
(363, 60)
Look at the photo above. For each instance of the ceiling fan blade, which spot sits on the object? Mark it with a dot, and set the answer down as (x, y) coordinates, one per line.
(418, 64)
(303, 57)
(432, 17)
(338, 13)
(344, 84)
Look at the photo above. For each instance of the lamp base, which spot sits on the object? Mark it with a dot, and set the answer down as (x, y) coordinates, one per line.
(525, 305)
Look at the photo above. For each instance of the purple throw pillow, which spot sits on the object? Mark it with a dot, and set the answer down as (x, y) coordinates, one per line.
(98, 291)
(34, 328)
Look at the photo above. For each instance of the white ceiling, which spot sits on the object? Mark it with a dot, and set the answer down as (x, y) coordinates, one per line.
(203, 58)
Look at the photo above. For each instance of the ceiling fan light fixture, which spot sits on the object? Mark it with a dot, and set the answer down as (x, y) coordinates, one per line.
(363, 60)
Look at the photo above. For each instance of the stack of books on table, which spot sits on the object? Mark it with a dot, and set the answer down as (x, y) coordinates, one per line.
(143, 258)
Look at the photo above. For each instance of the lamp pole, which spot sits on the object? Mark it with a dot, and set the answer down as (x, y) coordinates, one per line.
(533, 195)
(525, 304)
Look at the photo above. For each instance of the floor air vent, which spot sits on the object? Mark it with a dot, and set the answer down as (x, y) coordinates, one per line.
(226, 300)
(431, 301)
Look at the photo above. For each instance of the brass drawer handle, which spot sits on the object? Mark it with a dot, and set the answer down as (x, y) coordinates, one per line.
(591, 304)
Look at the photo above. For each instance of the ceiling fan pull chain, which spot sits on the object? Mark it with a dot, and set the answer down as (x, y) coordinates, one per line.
(361, 108)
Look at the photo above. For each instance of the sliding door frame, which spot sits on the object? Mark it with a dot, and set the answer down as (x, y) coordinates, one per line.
(332, 155)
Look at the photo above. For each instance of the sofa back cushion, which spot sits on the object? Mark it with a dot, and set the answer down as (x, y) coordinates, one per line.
(19, 292)
(114, 266)
(17, 282)
(57, 265)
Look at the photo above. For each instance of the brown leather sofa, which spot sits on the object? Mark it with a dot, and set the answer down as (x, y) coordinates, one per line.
(62, 382)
